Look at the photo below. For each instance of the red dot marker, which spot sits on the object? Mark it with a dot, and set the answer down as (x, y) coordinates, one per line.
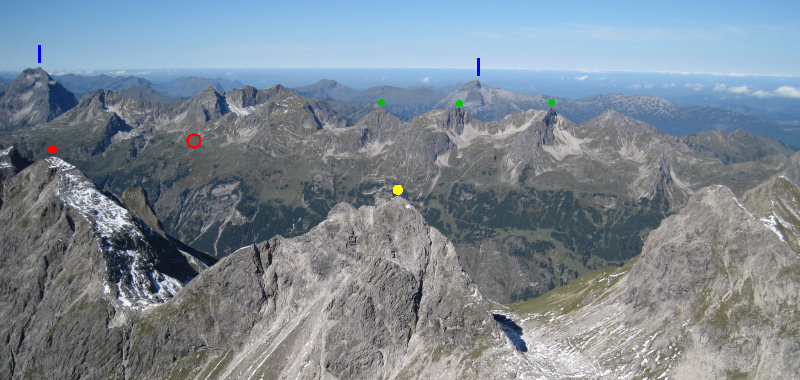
(52, 149)
(199, 141)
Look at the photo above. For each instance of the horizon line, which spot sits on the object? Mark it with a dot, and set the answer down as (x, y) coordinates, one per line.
(147, 71)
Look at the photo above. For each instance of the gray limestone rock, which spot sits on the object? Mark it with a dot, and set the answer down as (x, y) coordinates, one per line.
(135, 199)
(33, 98)
(714, 294)
(368, 293)
(74, 267)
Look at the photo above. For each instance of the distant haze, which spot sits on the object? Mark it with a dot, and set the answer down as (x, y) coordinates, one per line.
(770, 97)
(749, 37)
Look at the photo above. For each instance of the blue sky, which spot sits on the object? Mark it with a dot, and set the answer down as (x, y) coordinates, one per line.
(747, 37)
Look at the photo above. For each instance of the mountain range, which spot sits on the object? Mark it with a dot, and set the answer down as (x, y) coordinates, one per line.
(377, 292)
(712, 295)
(531, 201)
(488, 103)
(183, 87)
(103, 295)
(483, 102)
(525, 244)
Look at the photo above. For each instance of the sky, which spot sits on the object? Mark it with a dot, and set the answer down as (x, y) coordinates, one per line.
(727, 37)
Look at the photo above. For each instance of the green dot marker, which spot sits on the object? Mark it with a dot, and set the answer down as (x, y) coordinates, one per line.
(551, 102)
(459, 103)
(381, 102)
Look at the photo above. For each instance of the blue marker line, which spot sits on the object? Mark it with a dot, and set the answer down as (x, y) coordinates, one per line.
(479, 67)
(40, 53)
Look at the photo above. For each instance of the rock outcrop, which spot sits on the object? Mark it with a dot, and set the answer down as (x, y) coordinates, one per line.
(33, 98)
(74, 266)
(369, 293)
(372, 292)
(714, 294)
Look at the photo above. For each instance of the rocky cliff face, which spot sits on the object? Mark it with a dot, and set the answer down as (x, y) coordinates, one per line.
(74, 266)
(777, 204)
(713, 294)
(33, 98)
(369, 293)
(552, 198)
(89, 291)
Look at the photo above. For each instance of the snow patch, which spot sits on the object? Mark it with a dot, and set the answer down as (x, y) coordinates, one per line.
(145, 286)
(742, 207)
(239, 111)
(771, 223)
(112, 109)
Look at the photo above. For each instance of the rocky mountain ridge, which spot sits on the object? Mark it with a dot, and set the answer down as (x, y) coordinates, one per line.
(373, 292)
(33, 98)
(74, 265)
(183, 87)
(376, 292)
(567, 197)
(713, 294)
(488, 103)
(406, 103)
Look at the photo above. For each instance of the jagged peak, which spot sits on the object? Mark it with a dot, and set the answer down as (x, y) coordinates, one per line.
(95, 98)
(211, 101)
(471, 85)
(550, 118)
(38, 73)
(131, 259)
(210, 90)
(454, 119)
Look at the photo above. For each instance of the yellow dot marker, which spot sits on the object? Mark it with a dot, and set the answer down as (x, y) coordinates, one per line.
(397, 189)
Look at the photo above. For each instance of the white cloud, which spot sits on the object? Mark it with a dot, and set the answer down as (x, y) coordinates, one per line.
(788, 92)
(739, 89)
(582, 78)
(601, 78)
(694, 86)
(666, 85)
(781, 92)
(77, 72)
(721, 87)
(426, 80)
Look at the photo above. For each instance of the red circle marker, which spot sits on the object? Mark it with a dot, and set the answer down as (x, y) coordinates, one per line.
(52, 149)
(199, 141)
